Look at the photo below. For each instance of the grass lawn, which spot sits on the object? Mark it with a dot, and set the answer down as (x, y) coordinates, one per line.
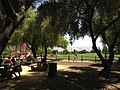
(85, 57)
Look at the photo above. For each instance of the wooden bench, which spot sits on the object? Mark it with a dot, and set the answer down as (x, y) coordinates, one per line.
(5, 73)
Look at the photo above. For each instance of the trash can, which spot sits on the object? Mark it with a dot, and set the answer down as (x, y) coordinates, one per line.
(52, 70)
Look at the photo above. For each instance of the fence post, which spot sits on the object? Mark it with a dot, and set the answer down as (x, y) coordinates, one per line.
(95, 58)
(68, 58)
(81, 58)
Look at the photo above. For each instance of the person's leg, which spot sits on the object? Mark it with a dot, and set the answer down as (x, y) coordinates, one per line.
(13, 72)
(18, 74)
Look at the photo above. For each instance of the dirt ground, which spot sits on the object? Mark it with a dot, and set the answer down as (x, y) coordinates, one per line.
(70, 76)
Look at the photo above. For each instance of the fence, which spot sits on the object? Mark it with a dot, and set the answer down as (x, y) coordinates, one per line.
(82, 58)
(95, 59)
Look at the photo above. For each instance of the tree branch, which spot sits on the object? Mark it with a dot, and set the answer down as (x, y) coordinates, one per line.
(104, 38)
(8, 8)
(111, 23)
(115, 38)
(10, 28)
(107, 26)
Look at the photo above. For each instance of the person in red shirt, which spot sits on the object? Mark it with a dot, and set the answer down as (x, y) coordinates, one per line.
(8, 61)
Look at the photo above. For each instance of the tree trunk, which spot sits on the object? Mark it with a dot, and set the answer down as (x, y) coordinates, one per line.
(13, 20)
(105, 72)
(107, 63)
(45, 56)
(33, 49)
(34, 52)
(5, 36)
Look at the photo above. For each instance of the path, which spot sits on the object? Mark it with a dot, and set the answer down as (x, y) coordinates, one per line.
(71, 76)
(63, 66)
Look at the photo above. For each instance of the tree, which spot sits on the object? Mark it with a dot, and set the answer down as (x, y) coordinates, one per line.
(37, 36)
(24, 30)
(47, 36)
(96, 18)
(13, 14)
(104, 27)
(30, 36)
(61, 42)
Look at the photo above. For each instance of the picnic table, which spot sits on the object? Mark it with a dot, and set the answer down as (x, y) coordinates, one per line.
(37, 65)
(39, 62)
(1, 67)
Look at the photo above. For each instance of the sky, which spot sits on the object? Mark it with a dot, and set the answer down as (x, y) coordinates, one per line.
(83, 43)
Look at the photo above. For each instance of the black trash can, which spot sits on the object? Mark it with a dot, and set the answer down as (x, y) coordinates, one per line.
(52, 70)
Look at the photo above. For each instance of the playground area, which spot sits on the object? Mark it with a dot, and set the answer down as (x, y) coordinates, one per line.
(70, 76)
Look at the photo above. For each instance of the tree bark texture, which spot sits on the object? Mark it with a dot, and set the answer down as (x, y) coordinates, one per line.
(12, 20)
(34, 51)
(45, 57)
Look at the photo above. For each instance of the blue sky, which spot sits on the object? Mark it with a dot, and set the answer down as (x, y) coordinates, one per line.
(83, 43)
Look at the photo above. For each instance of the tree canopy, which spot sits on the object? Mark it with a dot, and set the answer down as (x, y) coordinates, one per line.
(36, 35)
(96, 18)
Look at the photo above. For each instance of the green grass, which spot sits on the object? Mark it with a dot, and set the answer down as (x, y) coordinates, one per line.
(84, 56)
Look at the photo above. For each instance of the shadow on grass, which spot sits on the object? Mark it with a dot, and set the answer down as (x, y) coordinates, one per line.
(76, 78)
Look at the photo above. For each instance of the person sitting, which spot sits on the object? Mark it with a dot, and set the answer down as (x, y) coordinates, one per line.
(7, 63)
(43, 61)
(16, 68)
(6, 73)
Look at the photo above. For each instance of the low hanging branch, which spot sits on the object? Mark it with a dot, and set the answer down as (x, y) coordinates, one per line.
(14, 19)
(8, 8)
(107, 26)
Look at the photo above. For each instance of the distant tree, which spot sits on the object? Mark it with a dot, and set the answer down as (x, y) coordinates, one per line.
(62, 42)
(84, 51)
(92, 51)
(65, 51)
